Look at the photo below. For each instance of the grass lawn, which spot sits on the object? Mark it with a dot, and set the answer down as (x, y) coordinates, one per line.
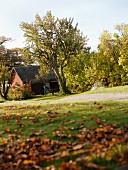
(118, 89)
(42, 133)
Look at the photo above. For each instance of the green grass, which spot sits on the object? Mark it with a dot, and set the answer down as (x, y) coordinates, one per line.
(50, 98)
(73, 123)
(118, 89)
(33, 114)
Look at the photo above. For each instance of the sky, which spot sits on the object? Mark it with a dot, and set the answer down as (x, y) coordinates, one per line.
(92, 16)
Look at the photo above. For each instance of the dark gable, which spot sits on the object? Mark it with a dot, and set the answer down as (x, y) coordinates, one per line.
(30, 73)
(27, 73)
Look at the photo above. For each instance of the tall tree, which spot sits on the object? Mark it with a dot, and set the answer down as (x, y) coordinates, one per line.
(4, 82)
(53, 42)
(4, 71)
(122, 38)
(110, 72)
(80, 72)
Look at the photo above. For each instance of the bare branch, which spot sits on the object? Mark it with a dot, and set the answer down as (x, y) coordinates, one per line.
(4, 39)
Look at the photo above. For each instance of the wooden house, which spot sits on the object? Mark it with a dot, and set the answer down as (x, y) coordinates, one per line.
(23, 75)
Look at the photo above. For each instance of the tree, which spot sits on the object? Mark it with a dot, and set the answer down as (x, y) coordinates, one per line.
(4, 39)
(4, 82)
(14, 57)
(110, 72)
(4, 70)
(122, 38)
(53, 42)
(80, 72)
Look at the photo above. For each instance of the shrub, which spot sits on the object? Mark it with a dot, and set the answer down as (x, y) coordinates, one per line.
(26, 92)
(20, 92)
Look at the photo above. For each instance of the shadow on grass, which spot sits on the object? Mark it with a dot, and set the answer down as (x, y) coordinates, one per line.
(2, 101)
(51, 97)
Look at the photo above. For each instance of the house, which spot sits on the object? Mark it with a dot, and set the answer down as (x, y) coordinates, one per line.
(23, 75)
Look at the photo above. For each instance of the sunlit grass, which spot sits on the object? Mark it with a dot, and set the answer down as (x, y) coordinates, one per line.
(49, 98)
(34, 117)
(46, 117)
(118, 89)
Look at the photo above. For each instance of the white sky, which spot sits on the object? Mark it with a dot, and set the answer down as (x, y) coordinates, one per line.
(92, 16)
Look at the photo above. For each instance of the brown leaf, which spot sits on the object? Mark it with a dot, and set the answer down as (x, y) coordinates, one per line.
(2, 132)
(26, 162)
(77, 152)
(94, 166)
(78, 146)
(64, 153)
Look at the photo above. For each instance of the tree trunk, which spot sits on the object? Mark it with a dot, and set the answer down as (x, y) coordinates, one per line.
(61, 79)
(63, 82)
(4, 90)
(63, 87)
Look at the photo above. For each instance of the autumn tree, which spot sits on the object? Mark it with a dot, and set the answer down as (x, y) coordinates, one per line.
(4, 82)
(110, 72)
(14, 57)
(122, 38)
(81, 72)
(53, 42)
(4, 71)
(108, 65)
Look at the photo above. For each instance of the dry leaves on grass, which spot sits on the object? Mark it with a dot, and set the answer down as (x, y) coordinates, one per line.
(73, 151)
(101, 142)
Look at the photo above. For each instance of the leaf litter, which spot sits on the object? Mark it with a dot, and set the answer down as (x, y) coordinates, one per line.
(73, 151)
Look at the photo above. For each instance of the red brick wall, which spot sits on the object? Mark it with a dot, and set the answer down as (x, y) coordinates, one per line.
(16, 80)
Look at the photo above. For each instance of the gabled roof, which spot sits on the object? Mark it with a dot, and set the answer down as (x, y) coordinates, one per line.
(29, 73)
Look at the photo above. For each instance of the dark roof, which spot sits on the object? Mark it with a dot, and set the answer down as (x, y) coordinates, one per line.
(29, 73)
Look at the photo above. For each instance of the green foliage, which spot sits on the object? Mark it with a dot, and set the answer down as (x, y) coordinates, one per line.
(15, 93)
(108, 65)
(122, 38)
(8, 59)
(14, 57)
(21, 92)
(103, 66)
(79, 73)
(110, 72)
(26, 92)
(56, 43)
(4, 81)
(53, 42)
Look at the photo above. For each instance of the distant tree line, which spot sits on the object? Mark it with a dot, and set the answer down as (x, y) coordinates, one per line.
(58, 44)
(109, 65)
